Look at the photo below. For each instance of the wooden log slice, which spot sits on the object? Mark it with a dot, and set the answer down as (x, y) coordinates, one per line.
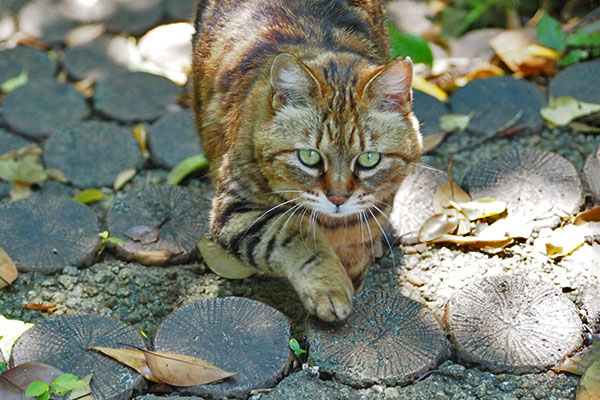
(9, 142)
(135, 96)
(576, 81)
(495, 102)
(43, 20)
(511, 324)
(178, 217)
(428, 111)
(43, 106)
(173, 138)
(538, 185)
(92, 153)
(100, 57)
(62, 342)
(235, 334)
(47, 233)
(180, 10)
(387, 339)
(413, 203)
(20, 59)
(591, 175)
(135, 17)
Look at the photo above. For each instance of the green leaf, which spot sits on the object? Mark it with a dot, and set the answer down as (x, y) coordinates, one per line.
(65, 383)
(26, 168)
(186, 167)
(104, 236)
(404, 44)
(577, 39)
(2, 364)
(15, 83)
(549, 32)
(88, 196)
(36, 388)
(295, 347)
(574, 56)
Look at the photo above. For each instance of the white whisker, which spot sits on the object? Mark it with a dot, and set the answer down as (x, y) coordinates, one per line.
(265, 213)
(381, 212)
(384, 235)
(370, 233)
(283, 215)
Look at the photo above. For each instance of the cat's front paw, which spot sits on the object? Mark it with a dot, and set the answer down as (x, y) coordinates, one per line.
(328, 294)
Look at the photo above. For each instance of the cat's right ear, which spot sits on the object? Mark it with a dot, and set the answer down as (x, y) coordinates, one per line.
(292, 83)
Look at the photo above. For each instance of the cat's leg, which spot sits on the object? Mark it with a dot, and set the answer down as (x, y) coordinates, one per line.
(282, 243)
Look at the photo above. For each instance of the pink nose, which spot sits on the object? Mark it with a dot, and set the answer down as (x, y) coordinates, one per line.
(338, 200)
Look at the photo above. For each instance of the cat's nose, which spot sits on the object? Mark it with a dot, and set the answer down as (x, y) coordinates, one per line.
(336, 199)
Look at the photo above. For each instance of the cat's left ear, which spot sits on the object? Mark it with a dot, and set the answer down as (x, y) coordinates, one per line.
(389, 89)
(292, 82)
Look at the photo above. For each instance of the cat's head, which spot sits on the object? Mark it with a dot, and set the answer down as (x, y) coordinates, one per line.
(341, 134)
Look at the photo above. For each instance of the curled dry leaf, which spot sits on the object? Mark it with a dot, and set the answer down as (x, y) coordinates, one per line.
(132, 358)
(222, 263)
(143, 234)
(520, 50)
(40, 307)
(578, 363)
(8, 270)
(153, 257)
(563, 110)
(448, 193)
(141, 135)
(481, 208)
(474, 241)
(436, 226)
(123, 177)
(569, 238)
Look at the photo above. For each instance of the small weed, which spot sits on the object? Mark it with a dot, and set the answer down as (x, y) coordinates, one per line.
(105, 240)
(60, 386)
(295, 347)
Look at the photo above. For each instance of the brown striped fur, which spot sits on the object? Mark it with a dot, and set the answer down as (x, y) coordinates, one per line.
(271, 77)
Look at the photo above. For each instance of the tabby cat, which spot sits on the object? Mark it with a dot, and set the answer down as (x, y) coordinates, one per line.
(309, 131)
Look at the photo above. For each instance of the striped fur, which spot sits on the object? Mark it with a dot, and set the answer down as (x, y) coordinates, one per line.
(271, 77)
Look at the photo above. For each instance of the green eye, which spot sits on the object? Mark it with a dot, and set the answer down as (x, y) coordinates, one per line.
(310, 158)
(368, 159)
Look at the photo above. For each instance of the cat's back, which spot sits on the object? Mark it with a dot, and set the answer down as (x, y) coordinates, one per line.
(238, 35)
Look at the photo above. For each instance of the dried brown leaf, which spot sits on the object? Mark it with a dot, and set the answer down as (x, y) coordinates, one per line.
(8, 270)
(14, 382)
(184, 370)
(123, 177)
(520, 50)
(20, 191)
(481, 208)
(141, 135)
(592, 215)
(564, 241)
(40, 307)
(153, 257)
(578, 363)
(563, 110)
(437, 226)
(447, 193)
(475, 242)
(132, 358)
(82, 392)
(143, 234)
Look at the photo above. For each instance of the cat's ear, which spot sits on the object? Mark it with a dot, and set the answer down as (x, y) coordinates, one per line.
(292, 83)
(389, 89)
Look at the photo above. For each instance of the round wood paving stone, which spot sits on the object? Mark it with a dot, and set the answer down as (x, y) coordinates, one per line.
(591, 175)
(235, 334)
(180, 10)
(575, 81)
(413, 202)
(428, 111)
(92, 153)
(9, 142)
(42, 106)
(173, 138)
(387, 339)
(496, 103)
(135, 96)
(21, 59)
(63, 342)
(511, 324)
(538, 185)
(135, 17)
(100, 57)
(47, 233)
(159, 224)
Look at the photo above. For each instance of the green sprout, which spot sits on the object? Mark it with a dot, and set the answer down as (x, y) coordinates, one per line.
(106, 238)
(60, 386)
(295, 347)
